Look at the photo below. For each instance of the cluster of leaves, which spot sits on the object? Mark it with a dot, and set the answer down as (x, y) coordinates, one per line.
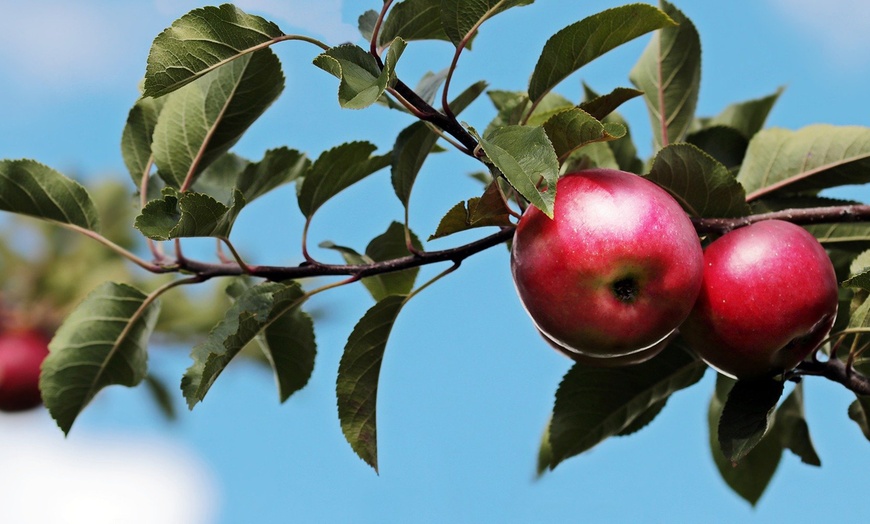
(212, 74)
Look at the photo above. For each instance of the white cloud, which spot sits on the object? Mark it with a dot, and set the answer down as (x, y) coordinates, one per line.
(98, 479)
(840, 26)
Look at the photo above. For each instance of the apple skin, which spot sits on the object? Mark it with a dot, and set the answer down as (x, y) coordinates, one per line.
(609, 362)
(21, 355)
(769, 298)
(614, 272)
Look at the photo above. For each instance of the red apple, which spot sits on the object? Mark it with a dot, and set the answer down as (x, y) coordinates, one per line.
(21, 355)
(768, 299)
(616, 269)
(609, 362)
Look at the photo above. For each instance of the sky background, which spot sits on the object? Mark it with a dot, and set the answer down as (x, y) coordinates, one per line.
(467, 385)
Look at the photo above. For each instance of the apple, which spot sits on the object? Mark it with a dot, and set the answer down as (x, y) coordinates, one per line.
(768, 299)
(609, 362)
(21, 355)
(616, 269)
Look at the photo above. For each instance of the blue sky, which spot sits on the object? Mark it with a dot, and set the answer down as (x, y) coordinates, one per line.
(467, 384)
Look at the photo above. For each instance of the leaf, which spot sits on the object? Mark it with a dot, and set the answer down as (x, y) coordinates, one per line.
(366, 24)
(751, 476)
(202, 41)
(416, 141)
(359, 374)
(388, 246)
(514, 107)
(254, 310)
(584, 41)
(362, 80)
(488, 210)
(747, 416)
(103, 342)
(669, 74)
(203, 120)
(525, 156)
(572, 129)
(413, 20)
(703, 186)
(189, 215)
(858, 411)
(278, 167)
(137, 137)
(290, 348)
(460, 17)
(727, 145)
(600, 107)
(793, 430)
(644, 419)
(595, 154)
(160, 394)
(813, 158)
(593, 404)
(219, 179)
(33, 189)
(335, 170)
(858, 279)
(746, 117)
(545, 452)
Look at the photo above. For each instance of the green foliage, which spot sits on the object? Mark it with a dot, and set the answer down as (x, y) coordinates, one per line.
(363, 81)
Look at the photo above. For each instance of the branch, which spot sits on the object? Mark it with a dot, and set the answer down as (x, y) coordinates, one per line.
(805, 216)
(837, 371)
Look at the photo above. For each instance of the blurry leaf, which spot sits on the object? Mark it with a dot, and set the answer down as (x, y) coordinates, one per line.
(279, 166)
(573, 128)
(703, 186)
(290, 348)
(853, 236)
(199, 42)
(525, 156)
(335, 170)
(811, 159)
(793, 430)
(859, 411)
(103, 342)
(219, 179)
(726, 144)
(747, 416)
(593, 404)
(254, 310)
(746, 117)
(366, 24)
(362, 80)
(160, 394)
(584, 41)
(203, 120)
(137, 137)
(33, 189)
(750, 477)
(604, 105)
(416, 141)
(359, 374)
(413, 20)
(459, 17)
(643, 420)
(669, 74)
(488, 210)
(428, 86)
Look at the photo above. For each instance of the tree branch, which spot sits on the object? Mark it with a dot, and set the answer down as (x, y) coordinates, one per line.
(803, 216)
(837, 371)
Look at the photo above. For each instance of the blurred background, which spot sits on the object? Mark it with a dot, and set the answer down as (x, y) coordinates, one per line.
(467, 385)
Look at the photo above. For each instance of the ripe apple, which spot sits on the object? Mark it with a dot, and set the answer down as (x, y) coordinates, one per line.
(616, 269)
(21, 355)
(768, 299)
(609, 362)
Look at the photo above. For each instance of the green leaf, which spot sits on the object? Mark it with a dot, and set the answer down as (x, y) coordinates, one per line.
(460, 17)
(595, 154)
(362, 80)
(600, 107)
(203, 120)
(859, 275)
(359, 374)
(811, 159)
(644, 419)
(514, 106)
(726, 144)
(413, 20)
(103, 342)
(669, 74)
(545, 452)
(859, 411)
(584, 41)
(254, 310)
(416, 141)
(161, 395)
(747, 416)
(751, 476)
(366, 24)
(33, 189)
(189, 215)
(593, 404)
(525, 156)
(201, 41)
(746, 117)
(335, 170)
(487, 210)
(219, 179)
(793, 430)
(137, 137)
(703, 186)
(388, 246)
(278, 167)
(853, 237)
(290, 347)
(573, 128)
